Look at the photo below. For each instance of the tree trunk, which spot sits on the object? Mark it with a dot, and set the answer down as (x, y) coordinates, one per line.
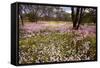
(75, 15)
(22, 20)
(80, 18)
(20, 15)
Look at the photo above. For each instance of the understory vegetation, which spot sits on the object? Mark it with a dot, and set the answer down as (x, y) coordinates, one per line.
(56, 47)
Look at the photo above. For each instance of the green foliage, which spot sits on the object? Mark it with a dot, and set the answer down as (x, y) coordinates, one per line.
(87, 18)
(32, 17)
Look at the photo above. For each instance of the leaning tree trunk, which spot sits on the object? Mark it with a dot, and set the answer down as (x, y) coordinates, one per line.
(75, 15)
(20, 15)
(81, 14)
(80, 18)
(22, 20)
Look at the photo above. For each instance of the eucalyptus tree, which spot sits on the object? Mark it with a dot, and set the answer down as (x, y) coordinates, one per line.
(77, 15)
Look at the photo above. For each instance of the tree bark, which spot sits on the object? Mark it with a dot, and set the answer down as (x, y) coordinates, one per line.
(22, 20)
(76, 17)
(80, 18)
(20, 14)
(73, 16)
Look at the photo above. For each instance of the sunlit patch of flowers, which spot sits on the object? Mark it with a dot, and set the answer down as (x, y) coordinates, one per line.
(50, 46)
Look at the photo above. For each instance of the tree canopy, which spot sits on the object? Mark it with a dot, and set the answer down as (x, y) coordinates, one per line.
(78, 15)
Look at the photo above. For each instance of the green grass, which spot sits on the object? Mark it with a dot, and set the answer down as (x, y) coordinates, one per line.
(56, 47)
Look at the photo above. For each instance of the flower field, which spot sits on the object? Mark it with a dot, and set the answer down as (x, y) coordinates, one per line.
(56, 42)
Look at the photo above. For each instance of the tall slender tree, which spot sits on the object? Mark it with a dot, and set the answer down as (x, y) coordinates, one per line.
(77, 14)
(20, 14)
